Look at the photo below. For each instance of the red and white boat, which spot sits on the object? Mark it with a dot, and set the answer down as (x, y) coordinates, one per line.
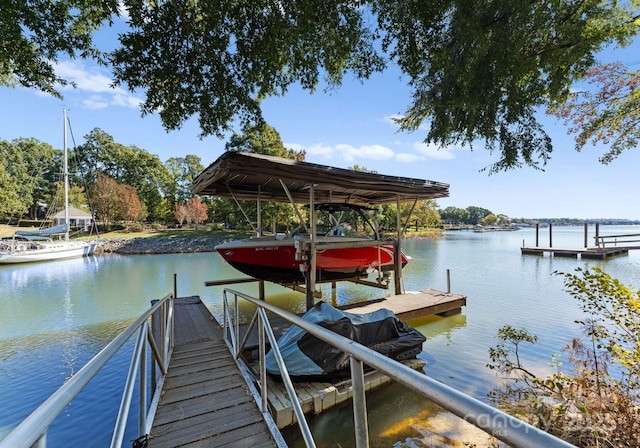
(279, 258)
(274, 258)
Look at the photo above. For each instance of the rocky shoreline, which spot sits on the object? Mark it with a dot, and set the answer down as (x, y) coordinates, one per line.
(136, 246)
(133, 246)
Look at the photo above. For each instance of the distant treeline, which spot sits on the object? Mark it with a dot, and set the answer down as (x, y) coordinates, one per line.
(577, 222)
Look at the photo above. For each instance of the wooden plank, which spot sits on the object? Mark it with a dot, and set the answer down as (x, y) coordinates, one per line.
(566, 253)
(200, 405)
(415, 304)
(249, 438)
(210, 425)
(205, 400)
(318, 397)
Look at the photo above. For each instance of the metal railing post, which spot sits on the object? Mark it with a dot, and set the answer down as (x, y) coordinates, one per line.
(125, 403)
(359, 403)
(142, 394)
(263, 366)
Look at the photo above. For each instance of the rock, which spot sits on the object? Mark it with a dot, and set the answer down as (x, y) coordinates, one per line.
(130, 246)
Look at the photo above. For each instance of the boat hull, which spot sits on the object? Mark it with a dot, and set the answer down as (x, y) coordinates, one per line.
(31, 252)
(275, 260)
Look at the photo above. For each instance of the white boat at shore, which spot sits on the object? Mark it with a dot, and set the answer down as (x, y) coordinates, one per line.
(51, 243)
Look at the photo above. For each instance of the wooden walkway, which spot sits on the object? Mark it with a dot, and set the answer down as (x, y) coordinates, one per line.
(205, 400)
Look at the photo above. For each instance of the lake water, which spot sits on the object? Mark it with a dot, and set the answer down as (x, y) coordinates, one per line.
(57, 315)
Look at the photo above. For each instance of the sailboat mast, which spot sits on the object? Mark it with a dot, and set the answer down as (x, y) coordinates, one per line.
(65, 176)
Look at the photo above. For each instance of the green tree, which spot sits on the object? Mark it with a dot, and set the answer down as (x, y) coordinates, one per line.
(489, 220)
(477, 214)
(180, 174)
(36, 34)
(101, 154)
(455, 215)
(263, 139)
(425, 214)
(33, 168)
(608, 115)
(11, 205)
(478, 70)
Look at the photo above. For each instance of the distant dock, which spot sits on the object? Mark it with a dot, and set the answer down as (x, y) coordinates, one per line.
(587, 252)
(607, 246)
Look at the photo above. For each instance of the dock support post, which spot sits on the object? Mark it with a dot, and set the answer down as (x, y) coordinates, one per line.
(359, 403)
(312, 263)
(448, 281)
(586, 231)
(597, 234)
(550, 235)
(537, 234)
(175, 285)
(397, 254)
(334, 294)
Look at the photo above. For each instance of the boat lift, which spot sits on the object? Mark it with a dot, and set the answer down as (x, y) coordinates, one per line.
(248, 176)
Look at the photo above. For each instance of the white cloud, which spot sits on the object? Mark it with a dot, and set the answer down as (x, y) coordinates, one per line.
(373, 152)
(347, 152)
(406, 157)
(93, 82)
(431, 151)
(320, 149)
(95, 102)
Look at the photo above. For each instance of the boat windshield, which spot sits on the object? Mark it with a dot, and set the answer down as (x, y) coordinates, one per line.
(343, 220)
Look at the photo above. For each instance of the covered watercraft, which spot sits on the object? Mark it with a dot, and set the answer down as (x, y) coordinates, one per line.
(309, 359)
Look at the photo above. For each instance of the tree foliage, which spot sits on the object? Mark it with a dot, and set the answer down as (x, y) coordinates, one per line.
(101, 154)
(181, 172)
(260, 138)
(34, 34)
(196, 211)
(609, 115)
(478, 70)
(10, 204)
(32, 168)
(112, 200)
(613, 316)
(590, 404)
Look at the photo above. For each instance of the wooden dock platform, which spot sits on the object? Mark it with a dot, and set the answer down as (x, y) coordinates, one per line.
(416, 304)
(316, 397)
(599, 253)
(205, 400)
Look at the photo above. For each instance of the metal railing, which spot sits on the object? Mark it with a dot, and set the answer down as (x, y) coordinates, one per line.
(629, 240)
(499, 424)
(33, 430)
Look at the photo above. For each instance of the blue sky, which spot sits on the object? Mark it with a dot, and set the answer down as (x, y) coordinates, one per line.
(350, 126)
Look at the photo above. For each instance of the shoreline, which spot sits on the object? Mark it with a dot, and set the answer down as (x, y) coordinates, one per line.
(151, 246)
(143, 246)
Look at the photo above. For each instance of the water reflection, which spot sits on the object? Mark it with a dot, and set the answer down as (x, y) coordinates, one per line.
(56, 316)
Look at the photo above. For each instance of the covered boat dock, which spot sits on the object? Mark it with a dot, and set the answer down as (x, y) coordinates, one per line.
(248, 176)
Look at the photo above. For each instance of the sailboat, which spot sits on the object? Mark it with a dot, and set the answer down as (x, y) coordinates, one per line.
(51, 243)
